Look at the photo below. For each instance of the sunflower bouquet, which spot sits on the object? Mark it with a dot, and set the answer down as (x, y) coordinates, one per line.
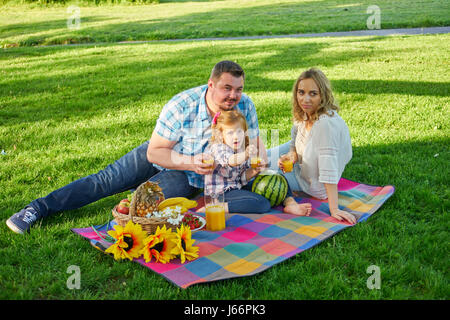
(164, 245)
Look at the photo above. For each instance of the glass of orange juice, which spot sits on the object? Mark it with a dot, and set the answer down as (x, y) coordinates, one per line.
(208, 159)
(215, 212)
(287, 164)
(255, 161)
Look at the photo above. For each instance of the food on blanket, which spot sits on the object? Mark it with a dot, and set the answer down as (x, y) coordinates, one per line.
(192, 221)
(146, 199)
(271, 186)
(184, 203)
(255, 162)
(123, 206)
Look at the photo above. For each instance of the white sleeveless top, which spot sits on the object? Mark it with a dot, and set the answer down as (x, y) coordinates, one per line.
(323, 153)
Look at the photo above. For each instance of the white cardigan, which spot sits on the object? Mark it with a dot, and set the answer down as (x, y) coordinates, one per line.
(327, 150)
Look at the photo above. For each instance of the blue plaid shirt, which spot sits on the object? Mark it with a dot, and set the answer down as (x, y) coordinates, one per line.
(185, 119)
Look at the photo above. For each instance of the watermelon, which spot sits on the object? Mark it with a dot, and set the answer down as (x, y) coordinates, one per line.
(271, 185)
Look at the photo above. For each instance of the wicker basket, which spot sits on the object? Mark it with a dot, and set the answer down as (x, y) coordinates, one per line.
(148, 224)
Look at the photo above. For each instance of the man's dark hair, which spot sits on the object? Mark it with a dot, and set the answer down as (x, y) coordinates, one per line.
(227, 66)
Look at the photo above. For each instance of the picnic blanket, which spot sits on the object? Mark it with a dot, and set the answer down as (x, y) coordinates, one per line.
(252, 243)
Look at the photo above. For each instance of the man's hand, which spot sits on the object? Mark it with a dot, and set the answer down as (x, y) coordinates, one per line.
(201, 165)
(290, 156)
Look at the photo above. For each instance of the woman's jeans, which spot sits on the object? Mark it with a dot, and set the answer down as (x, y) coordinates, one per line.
(133, 169)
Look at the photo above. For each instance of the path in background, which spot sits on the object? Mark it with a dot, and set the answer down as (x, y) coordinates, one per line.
(381, 32)
(359, 33)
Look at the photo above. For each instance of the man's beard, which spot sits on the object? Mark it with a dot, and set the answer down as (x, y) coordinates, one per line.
(226, 107)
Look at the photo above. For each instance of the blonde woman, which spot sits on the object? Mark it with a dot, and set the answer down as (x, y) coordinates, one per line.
(320, 144)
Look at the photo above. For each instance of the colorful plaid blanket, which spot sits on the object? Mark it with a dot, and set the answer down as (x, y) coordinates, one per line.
(252, 243)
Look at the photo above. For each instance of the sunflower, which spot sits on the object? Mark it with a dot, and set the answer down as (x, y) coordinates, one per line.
(129, 241)
(159, 245)
(183, 244)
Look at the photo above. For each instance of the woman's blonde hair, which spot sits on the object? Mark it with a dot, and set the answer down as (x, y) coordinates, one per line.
(227, 118)
(327, 101)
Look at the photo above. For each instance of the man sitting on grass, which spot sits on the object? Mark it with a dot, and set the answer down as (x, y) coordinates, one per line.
(173, 156)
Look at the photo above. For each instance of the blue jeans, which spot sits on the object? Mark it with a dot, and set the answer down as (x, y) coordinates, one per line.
(133, 169)
(245, 201)
(126, 173)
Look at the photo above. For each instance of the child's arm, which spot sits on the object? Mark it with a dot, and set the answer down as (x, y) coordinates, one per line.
(239, 158)
(337, 213)
(251, 172)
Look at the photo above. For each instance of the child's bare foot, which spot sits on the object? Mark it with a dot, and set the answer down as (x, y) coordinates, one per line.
(300, 209)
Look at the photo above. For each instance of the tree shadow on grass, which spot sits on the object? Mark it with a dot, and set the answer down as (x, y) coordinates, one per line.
(413, 88)
(42, 26)
(268, 19)
(90, 81)
(171, 1)
(221, 22)
(51, 28)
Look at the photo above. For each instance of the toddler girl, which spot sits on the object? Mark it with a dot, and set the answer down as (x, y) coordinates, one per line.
(231, 151)
(230, 148)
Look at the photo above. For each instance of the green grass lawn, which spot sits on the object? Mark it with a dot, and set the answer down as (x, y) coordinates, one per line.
(29, 25)
(67, 112)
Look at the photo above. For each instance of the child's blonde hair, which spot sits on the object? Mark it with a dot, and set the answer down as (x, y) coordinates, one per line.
(227, 118)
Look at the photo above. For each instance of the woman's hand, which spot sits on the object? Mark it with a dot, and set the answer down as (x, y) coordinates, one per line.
(343, 215)
(291, 156)
(337, 213)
